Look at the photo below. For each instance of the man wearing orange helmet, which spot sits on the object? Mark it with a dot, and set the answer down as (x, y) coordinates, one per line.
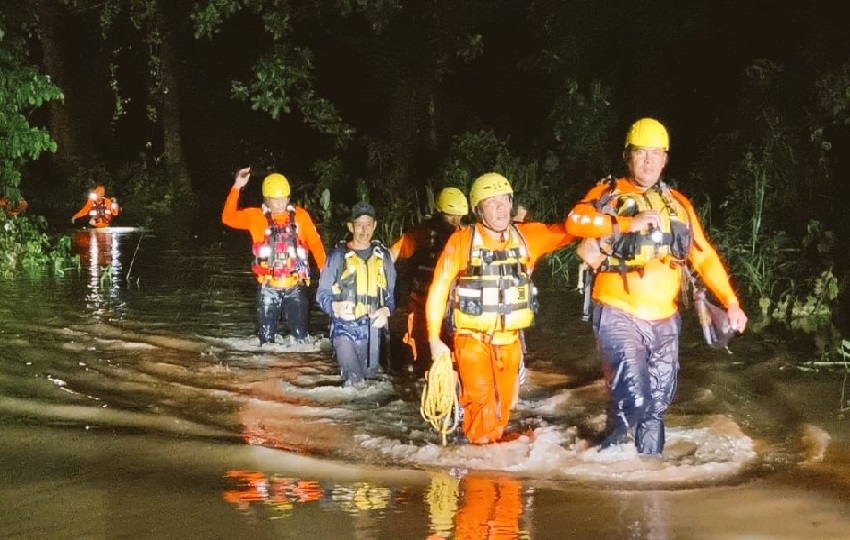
(421, 246)
(282, 234)
(483, 276)
(640, 235)
(100, 208)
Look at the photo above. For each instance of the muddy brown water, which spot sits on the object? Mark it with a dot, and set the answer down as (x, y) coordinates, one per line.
(140, 406)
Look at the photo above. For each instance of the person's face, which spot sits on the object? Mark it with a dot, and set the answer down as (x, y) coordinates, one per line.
(277, 205)
(646, 165)
(496, 211)
(362, 230)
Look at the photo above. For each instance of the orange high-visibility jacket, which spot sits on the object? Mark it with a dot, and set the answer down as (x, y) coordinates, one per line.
(650, 294)
(253, 220)
(540, 239)
(89, 204)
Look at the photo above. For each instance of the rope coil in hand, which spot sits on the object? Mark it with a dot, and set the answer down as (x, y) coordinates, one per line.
(439, 405)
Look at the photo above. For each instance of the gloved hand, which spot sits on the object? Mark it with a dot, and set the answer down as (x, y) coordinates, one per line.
(343, 310)
(72, 221)
(380, 317)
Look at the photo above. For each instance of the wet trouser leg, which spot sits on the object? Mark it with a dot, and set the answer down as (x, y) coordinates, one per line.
(488, 376)
(269, 306)
(640, 360)
(351, 355)
(663, 376)
(296, 307)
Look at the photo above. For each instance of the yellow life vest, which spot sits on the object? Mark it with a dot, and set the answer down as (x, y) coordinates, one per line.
(362, 282)
(495, 292)
(623, 252)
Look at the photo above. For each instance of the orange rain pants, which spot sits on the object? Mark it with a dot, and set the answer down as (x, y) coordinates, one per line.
(490, 385)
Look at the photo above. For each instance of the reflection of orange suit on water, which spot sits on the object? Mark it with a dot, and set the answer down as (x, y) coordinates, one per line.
(100, 208)
(484, 275)
(491, 508)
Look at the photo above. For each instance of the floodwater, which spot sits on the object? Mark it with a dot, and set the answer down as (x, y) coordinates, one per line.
(136, 403)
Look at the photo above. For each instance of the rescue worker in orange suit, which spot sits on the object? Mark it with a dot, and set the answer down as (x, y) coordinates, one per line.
(422, 246)
(483, 274)
(282, 235)
(100, 208)
(640, 235)
(357, 291)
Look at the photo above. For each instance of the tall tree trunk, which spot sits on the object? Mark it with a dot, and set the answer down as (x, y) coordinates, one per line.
(172, 129)
(64, 125)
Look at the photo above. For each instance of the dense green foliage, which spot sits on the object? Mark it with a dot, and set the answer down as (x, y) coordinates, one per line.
(22, 89)
(391, 101)
(24, 242)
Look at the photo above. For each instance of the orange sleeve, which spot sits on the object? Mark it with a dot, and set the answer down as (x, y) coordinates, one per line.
(705, 260)
(84, 210)
(405, 247)
(307, 228)
(543, 238)
(452, 260)
(247, 219)
(585, 221)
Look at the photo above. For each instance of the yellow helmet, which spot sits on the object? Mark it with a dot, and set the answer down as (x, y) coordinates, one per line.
(453, 202)
(489, 185)
(276, 185)
(648, 132)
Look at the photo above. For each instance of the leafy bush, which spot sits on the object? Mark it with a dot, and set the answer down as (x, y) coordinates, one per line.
(26, 246)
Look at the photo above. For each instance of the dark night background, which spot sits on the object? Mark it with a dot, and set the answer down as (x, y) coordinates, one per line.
(681, 62)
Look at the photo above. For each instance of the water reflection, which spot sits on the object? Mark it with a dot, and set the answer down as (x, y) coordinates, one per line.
(490, 507)
(476, 507)
(277, 496)
(100, 255)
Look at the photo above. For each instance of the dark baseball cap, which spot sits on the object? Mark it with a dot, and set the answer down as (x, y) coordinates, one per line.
(361, 208)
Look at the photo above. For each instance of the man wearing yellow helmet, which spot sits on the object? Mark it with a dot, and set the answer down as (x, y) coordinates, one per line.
(421, 246)
(484, 276)
(640, 235)
(282, 234)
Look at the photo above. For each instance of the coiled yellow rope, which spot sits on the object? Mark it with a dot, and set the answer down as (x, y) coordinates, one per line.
(439, 397)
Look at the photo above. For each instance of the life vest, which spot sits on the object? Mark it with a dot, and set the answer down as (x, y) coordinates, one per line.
(495, 293)
(434, 235)
(362, 282)
(282, 255)
(624, 252)
(100, 213)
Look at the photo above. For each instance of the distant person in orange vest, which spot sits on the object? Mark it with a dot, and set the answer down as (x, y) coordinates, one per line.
(100, 208)
(639, 237)
(422, 246)
(282, 235)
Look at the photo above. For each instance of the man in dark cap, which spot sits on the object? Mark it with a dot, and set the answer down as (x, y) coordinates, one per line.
(357, 291)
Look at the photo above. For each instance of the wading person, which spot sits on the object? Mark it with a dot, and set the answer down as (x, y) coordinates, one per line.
(357, 291)
(421, 246)
(640, 235)
(282, 235)
(99, 208)
(483, 275)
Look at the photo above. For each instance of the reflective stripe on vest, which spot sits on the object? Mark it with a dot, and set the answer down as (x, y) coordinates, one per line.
(362, 282)
(282, 254)
(495, 292)
(670, 242)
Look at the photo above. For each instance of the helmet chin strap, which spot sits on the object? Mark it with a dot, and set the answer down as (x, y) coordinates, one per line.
(503, 234)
